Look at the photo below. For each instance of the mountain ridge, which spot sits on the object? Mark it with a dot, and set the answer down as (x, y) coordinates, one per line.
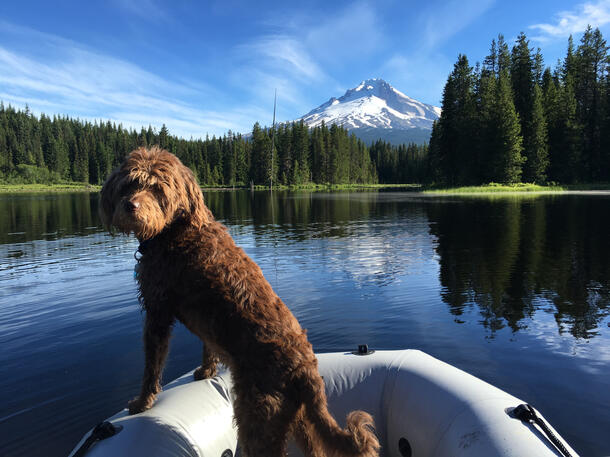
(376, 110)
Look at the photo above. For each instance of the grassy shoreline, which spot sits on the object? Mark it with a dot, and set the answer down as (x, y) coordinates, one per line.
(494, 188)
(318, 187)
(83, 187)
(40, 188)
(491, 188)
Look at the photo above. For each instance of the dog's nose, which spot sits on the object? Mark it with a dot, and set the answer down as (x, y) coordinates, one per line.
(131, 206)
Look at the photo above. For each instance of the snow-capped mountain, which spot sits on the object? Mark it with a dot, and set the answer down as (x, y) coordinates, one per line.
(374, 110)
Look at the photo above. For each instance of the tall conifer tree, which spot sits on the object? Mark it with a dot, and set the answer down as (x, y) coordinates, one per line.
(507, 141)
(535, 167)
(591, 60)
(457, 124)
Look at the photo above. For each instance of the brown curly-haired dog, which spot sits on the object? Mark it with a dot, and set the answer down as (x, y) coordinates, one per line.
(191, 270)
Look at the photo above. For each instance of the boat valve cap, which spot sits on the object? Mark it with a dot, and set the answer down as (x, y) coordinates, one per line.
(363, 349)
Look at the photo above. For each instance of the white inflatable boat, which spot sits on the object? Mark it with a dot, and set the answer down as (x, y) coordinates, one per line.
(422, 408)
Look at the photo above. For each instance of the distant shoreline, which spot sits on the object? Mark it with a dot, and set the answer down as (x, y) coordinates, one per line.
(48, 188)
(488, 189)
(82, 187)
(496, 189)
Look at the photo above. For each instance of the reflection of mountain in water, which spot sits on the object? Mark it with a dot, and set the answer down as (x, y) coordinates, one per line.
(512, 257)
(369, 238)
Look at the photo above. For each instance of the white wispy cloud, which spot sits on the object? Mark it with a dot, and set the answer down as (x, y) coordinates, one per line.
(60, 76)
(303, 53)
(575, 21)
(287, 54)
(271, 62)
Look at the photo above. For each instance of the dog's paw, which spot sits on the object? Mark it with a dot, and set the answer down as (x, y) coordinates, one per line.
(204, 373)
(138, 405)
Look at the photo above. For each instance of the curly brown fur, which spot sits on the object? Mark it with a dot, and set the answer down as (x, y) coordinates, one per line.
(191, 270)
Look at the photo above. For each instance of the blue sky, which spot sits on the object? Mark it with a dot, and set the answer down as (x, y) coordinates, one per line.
(209, 66)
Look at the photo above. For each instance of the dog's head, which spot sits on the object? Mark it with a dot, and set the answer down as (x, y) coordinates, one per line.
(150, 190)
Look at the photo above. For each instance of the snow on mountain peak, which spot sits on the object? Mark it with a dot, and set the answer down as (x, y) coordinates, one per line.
(374, 104)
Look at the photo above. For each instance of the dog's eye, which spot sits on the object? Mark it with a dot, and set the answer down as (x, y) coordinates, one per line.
(160, 195)
(128, 188)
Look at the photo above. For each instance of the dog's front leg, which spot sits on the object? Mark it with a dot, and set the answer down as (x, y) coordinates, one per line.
(208, 364)
(157, 332)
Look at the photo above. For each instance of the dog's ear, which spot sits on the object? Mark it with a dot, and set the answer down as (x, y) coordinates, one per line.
(108, 197)
(197, 211)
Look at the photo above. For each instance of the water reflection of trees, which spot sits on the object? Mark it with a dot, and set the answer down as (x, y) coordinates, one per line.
(512, 257)
(367, 236)
(507, 258)
(46, 216)
(299, 215)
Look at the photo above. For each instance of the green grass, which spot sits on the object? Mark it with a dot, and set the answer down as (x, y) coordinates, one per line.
(60, 187)
(491, 188)
(83, 187)
(315, 187)
(495, 188)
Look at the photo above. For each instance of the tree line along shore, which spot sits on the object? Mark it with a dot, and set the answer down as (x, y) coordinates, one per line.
(505, 121)
(511, 119)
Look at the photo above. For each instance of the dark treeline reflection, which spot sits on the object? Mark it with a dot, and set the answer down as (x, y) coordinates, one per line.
(505, 257)
(47, 216)
(301, 215)
(510, 257)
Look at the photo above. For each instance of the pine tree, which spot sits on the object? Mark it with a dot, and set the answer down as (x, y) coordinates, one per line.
(285, 157)
(318, 154)
(434, 166)
(80, 172)
(457, 125)
(565, 130)
(5, 159)
(531, 114)
(507, 140)
(241, 158)
(535, 167)
(538, 67)
(503, 56)
(59, 160)
(551, 103)
(485, 140)
(568, 69)
(490, 64)
(522, 78)
(229, 160)
(300, 145)
(566, 158)
(103, 160)
(591, 60)
(142, 140)
(261, 158)
(163, 137)
(605, 132)
(35, 141)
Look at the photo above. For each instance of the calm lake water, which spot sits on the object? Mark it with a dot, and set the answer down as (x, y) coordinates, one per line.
(515, 290)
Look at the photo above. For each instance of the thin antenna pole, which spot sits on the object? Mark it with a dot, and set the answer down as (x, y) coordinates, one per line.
(273, 140)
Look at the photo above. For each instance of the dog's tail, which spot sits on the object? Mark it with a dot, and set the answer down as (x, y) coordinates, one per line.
(357, 439)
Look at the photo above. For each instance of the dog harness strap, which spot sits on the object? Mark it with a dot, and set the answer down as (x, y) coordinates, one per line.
(141, 248)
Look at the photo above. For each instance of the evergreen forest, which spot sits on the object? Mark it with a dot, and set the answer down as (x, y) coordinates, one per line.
(507, 120)
(52, 150)
(512, 120)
